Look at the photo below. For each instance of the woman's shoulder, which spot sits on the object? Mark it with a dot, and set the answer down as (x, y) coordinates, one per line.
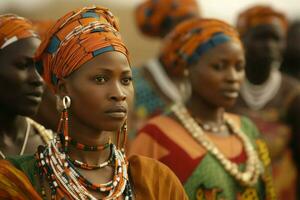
(153, 179)
(141, 163)
(45, 134)
(14, 183)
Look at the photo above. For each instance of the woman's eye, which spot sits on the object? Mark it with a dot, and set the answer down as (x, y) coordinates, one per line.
(240, 67)
(21, 65)
(100, 79)
(24, 63)
(127, 81)
(218, 66)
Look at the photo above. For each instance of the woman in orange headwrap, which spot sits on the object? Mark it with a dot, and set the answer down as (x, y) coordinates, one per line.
(21, 87)
(155, 87)
(216, 155)
(270, 98)
(84, 61)
(47, 113)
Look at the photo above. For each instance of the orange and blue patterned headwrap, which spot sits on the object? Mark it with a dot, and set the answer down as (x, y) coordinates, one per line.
(76, 38)
(259, 15)
(191, 39)
(14, 28)
(156, 18)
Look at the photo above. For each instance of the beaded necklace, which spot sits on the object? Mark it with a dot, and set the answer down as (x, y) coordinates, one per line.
(86, 166)
(253, 167)
(64, 179)
(84, 147)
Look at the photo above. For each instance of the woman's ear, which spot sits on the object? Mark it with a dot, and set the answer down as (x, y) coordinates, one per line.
(62, 88)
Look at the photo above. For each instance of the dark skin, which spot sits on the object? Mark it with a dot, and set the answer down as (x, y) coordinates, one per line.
(260, 54)
(47, 114)
(98, 89)
(23, 89)
(222, 69)
(264, 45)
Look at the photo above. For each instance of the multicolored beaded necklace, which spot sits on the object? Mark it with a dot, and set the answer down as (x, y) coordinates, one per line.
(86, 166)
(64, 179)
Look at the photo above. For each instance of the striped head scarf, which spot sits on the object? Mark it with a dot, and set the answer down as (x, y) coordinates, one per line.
(14, 28)
(156, 18)
(259, 15)
(75, 39)
(191, 39)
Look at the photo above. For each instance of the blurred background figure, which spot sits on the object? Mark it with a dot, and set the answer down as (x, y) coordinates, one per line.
(291, 58)
(21, 88)
(270, 98)
(204, 145)
(47, 114)
(155, 86)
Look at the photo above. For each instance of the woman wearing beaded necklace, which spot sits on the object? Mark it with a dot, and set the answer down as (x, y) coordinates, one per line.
(155, 88)
(21, 86)
(271, 99)
(216, 155)
(84, 61)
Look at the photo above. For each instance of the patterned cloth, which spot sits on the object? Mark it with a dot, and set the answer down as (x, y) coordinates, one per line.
(157, 18)
(192, 38)
(259, 15)
(202, 175)
(274, 124)
(148, 102)
(14, 28)
(75, 39)
(20, 174)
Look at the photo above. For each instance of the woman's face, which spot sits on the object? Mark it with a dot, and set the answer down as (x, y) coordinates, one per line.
(101, 91)
(264, 44)
(21, 86)
(217, 76)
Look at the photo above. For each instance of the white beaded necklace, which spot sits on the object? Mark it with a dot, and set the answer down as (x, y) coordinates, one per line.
(25, 140)
(257, 96)
(253, 167)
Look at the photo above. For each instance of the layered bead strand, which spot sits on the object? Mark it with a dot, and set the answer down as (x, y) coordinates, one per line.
(253, 167)
(65, 179)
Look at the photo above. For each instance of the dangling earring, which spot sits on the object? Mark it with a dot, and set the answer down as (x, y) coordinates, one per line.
(122, 131)
(63, 127)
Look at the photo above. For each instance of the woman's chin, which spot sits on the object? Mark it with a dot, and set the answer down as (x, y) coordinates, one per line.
(113, 126)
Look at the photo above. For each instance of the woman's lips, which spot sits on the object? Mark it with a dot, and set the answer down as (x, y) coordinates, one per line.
(119, 112)
(230, 93)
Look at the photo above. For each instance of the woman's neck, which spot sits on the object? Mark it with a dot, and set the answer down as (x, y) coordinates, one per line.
(258, 73)
(204, 111)
(91, 137)
(12, 126)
